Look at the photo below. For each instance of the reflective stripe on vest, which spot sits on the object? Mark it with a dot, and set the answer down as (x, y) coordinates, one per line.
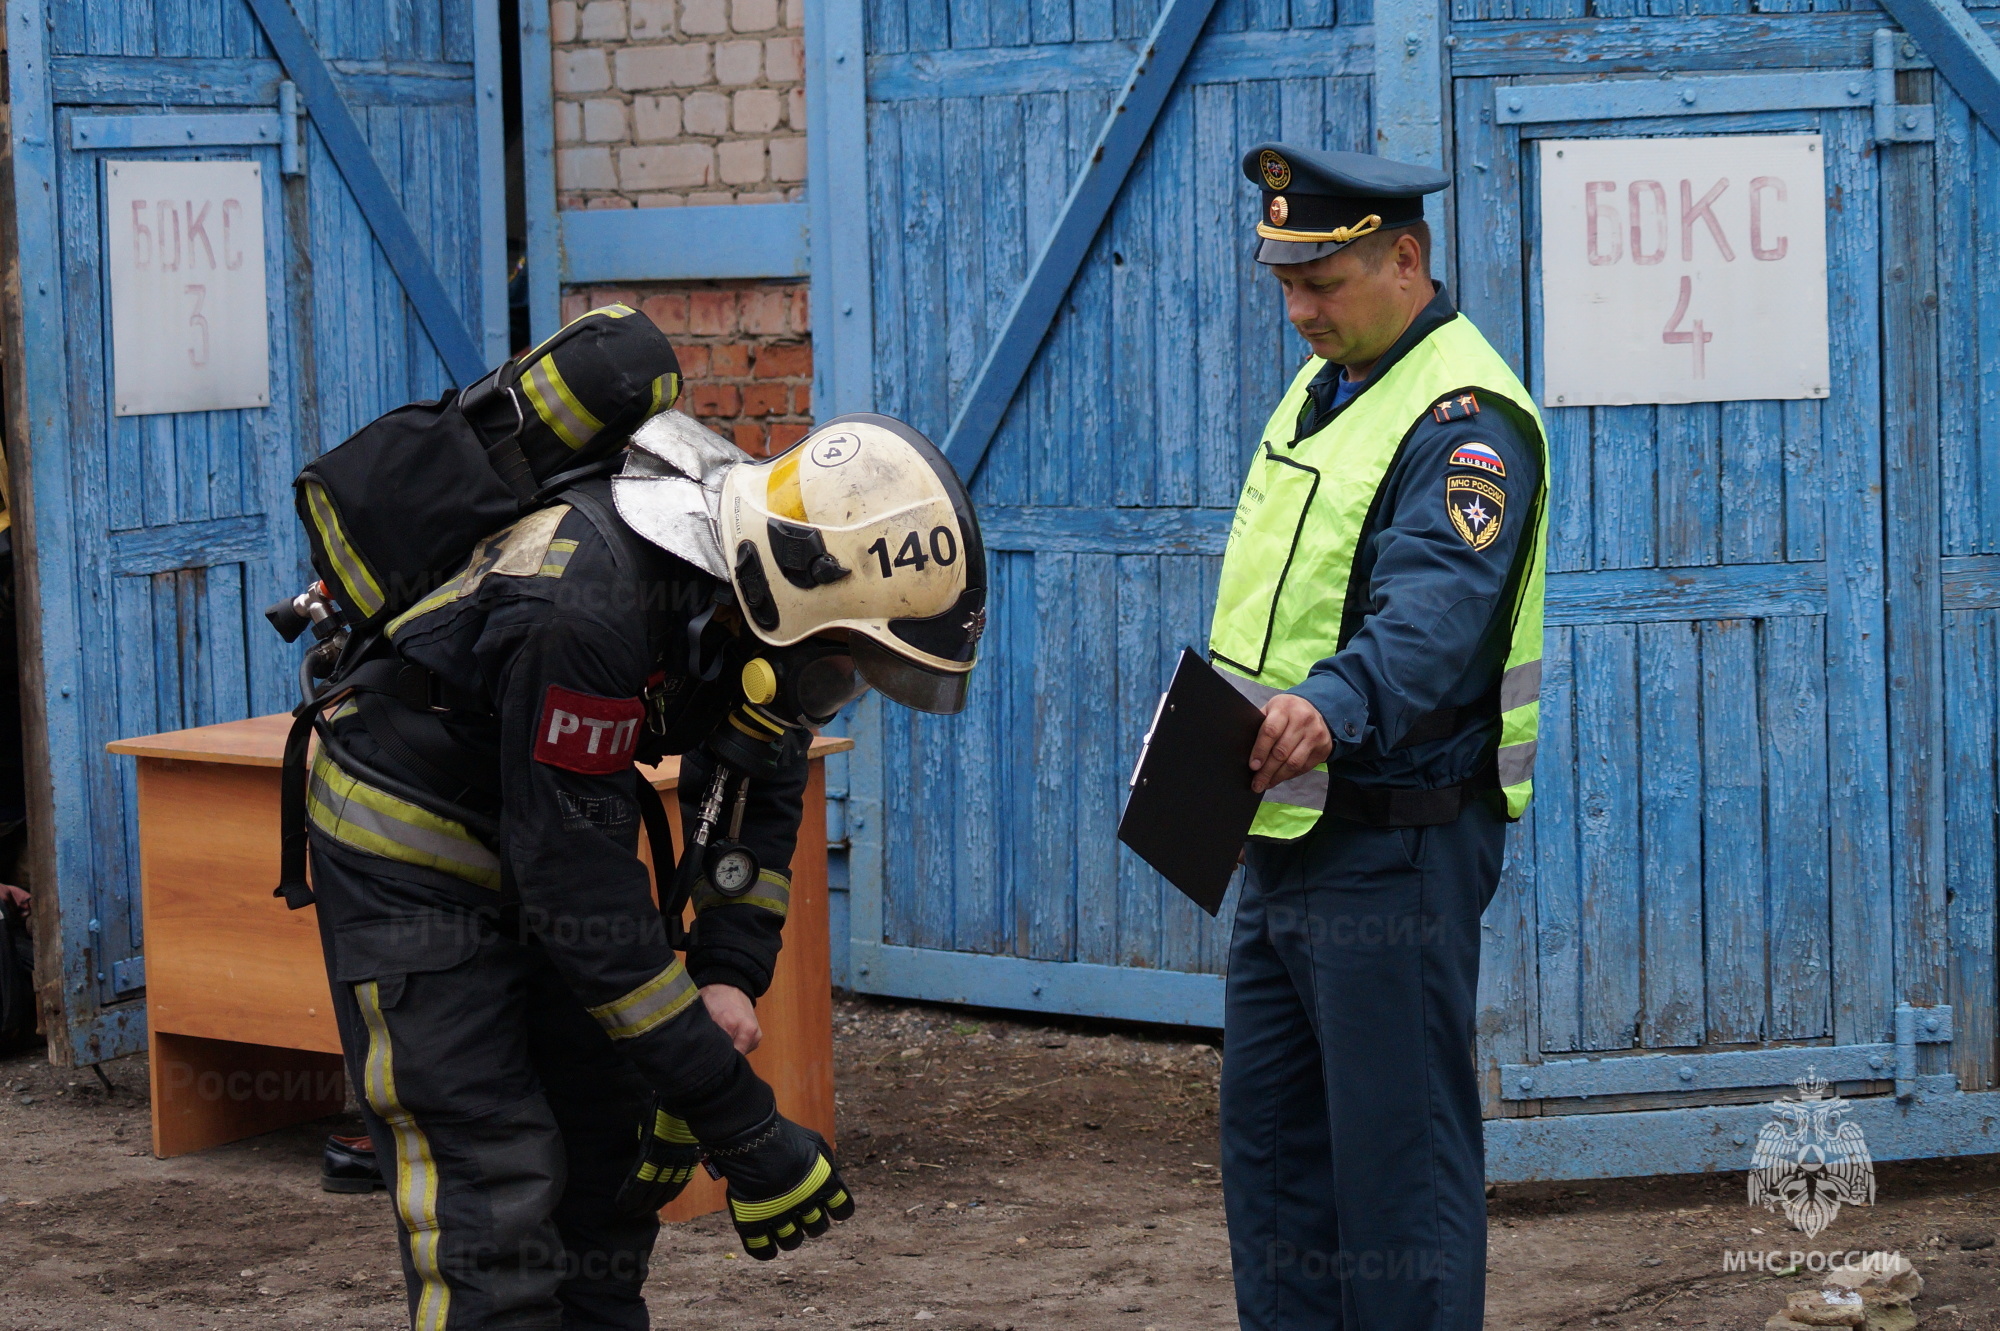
(357, 814)
(1292, 542)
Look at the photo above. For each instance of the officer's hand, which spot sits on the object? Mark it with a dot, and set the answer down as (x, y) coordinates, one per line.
(667, 1158)
(1294, 739)
(731, 1009)
(783, 1187)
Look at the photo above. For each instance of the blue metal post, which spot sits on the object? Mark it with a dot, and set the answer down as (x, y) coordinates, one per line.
(1409, 81)
(837, 203)
(538, 170)
(492, 138)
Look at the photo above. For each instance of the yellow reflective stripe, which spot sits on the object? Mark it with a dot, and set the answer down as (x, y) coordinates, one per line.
(617, 311)
(443, 596)
(750, 1213)
(416, 1186)
(772, 892)
(525, 549)
(556, 561)
(666, 392)
(557, 405)
(670, 1129)
(347, 561)
(357, 814)
(659, 999)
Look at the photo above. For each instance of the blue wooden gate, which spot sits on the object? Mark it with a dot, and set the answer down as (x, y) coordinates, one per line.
(1746, 860)
(152, 543)
(985, 864)
(1764, 835)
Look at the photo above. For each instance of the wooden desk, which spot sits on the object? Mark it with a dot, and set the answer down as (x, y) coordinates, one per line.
(241, 1025)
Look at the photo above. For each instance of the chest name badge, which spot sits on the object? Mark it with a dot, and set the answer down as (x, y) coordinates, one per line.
(581, 732)
(1481, 456)
(1476, 506)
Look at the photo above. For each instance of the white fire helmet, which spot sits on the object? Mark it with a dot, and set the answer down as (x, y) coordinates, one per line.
(863, 526)
(862, 530)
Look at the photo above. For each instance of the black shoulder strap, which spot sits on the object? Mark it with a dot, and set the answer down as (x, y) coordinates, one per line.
(504, 453)
(666, 881)
(292, 885)
(608, 526)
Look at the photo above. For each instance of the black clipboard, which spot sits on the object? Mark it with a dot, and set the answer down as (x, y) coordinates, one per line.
(1190, 804)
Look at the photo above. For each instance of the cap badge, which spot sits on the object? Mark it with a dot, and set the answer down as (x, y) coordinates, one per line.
(1277, 171)
(1279, 210)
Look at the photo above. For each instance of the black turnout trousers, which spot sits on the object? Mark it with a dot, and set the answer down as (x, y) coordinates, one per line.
(504, 1117)
(1353, 1160)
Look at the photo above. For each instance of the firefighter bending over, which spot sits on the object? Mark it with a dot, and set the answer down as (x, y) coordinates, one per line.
(545, 1051)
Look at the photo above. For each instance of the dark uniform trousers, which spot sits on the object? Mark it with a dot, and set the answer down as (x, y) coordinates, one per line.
(1353, 1163)
(503, 1115)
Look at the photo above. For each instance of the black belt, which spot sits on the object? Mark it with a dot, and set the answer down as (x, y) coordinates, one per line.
(1398, 806)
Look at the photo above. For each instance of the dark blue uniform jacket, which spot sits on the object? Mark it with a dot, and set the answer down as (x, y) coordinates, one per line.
(1427, 622)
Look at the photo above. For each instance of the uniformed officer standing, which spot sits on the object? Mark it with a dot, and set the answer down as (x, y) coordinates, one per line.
(1381, 599)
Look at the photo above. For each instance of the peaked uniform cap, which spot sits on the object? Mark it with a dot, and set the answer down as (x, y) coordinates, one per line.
(1316, 203)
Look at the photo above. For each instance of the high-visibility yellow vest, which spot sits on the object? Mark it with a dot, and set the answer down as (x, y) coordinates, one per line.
(1291, 550)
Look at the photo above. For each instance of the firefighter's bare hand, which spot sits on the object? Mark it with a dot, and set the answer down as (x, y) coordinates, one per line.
(731, 1009)
(1294, 740)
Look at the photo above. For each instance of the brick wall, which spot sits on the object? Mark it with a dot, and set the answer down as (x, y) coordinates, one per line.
(668, 102)
(743, 350)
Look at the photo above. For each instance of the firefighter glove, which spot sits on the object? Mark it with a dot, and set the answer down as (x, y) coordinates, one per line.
(666, 1161)
(783, 1187)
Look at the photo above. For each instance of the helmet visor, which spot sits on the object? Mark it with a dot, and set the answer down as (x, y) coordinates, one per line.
(825, 684)
(901, 680)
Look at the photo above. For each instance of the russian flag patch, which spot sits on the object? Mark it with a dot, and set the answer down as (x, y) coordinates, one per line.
(1478, 455)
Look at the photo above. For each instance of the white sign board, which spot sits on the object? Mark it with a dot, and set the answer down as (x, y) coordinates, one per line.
(1683, 270)
(185, 247)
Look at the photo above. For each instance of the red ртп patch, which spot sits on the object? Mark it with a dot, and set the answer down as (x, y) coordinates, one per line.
(581, 732)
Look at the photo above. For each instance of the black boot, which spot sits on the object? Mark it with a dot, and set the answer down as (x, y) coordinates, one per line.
(349, 1165)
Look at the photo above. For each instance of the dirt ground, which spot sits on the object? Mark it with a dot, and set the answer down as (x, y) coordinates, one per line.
(1009, 1175)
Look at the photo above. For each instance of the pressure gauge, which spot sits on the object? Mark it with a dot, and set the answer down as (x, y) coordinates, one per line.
(732, 868)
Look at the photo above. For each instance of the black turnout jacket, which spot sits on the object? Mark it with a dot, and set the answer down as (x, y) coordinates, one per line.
(569, 649)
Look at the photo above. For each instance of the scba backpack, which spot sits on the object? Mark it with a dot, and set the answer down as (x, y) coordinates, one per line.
(398, 507)
(401, 505)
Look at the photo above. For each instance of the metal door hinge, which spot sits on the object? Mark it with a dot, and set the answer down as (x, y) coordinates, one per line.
(1728, 94)
(291, 157)
(1735, 1069)
(129, 975)
(206, 129)
(1894, 122)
